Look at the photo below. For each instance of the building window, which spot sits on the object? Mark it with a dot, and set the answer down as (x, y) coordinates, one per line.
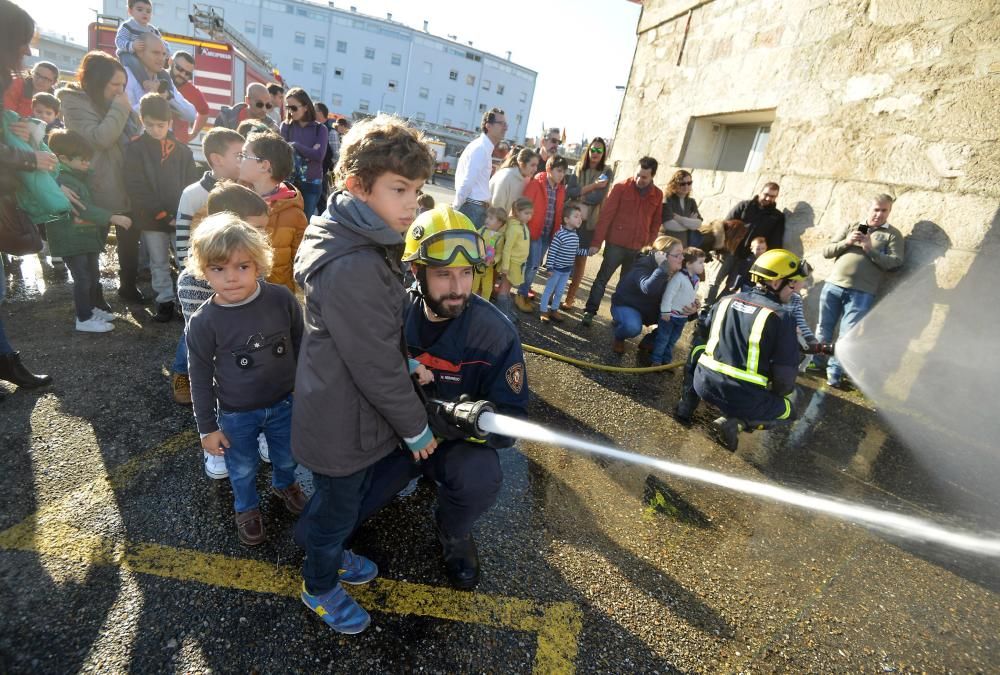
(428, 67)
(336, 100)
(524, 96)
(389, 109)
(267, 31)
(250, 27)
(341, 46)
(470, 80)
(487, 84)
(449, 99)
(338, 73)
(396, 59)
(300, 38)
(315, 94)
(363, 105)
(392, 85)
(468, 103)
(421, 117)
(370, 53)
(482, 107)
(297, 64)
(453, 75)
(366, 78)
(729, 142)
(319, 42)
(424, 92)
(500, 89)
(317, 68)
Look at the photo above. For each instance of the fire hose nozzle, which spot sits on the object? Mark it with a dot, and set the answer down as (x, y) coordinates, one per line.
(820, 348)
(464, 414)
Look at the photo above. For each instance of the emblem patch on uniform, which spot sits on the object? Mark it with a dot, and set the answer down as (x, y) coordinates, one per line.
(515, 377)
(418, 232)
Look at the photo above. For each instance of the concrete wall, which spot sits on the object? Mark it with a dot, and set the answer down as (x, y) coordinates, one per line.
(897, 96)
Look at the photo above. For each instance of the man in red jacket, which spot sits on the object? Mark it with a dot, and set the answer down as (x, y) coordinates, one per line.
(629, 221)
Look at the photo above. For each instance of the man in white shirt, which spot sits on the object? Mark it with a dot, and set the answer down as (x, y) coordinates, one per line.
(152, 54)
(475, 165)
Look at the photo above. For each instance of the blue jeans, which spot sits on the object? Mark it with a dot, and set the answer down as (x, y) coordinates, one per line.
(311, 192)
(181, 357)
(87, 293)
(627, 321)
(536, 251)
(5, 347)
(849, 307)
(475, 212)
(667, 334)
(242, 458)
(554, 288)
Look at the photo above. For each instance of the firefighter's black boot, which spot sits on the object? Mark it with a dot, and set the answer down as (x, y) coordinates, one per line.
(461, 559)
(727, 431)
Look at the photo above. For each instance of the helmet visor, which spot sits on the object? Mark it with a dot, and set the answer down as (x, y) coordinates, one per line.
(803, 272)
(445, 248)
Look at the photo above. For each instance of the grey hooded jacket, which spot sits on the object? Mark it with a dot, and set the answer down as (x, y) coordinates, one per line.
(354, 399)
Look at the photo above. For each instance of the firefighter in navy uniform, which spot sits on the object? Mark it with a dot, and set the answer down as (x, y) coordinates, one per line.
(747, 366)
(473, 351)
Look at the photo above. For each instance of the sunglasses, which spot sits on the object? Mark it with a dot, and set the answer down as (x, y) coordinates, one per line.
(684, 182)
(291, 108)
(262, 104)
(597, 151)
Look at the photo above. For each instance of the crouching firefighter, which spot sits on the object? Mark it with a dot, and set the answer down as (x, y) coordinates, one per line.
(475, 354)
(747, 366)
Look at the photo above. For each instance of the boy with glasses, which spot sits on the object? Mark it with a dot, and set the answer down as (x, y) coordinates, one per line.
(19, 94)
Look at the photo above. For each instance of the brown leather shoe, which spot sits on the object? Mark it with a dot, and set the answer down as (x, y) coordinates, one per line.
(566, 306)
(250, 527)
(293, 497)
(618, 346)
(523, 304)
(555, 316)
(182, 388)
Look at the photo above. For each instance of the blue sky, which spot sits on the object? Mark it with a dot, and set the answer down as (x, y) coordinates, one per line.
(582, 49)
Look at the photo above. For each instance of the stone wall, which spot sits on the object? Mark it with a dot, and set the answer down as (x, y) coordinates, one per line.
(897, 96)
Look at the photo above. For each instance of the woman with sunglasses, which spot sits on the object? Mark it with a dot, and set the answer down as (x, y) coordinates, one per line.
(681, 217)
(309, 139)
(586, 185)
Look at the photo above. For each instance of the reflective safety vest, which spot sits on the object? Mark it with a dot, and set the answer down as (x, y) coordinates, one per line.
(750, 372)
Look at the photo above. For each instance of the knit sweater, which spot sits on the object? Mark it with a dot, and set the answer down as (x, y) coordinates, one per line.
(859, 270)
(681, 291)
(562, 251)
(193, 199)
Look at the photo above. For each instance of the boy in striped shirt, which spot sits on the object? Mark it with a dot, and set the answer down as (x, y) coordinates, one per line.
(559, 262)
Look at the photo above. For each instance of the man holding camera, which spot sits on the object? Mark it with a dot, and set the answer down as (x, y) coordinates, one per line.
(863, 253)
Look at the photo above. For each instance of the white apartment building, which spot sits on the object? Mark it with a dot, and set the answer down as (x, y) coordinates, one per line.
(359, 63)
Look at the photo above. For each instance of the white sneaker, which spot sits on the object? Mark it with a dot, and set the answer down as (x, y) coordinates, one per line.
(262, 449)
(215, 467)
(102, 315)
(93, 325)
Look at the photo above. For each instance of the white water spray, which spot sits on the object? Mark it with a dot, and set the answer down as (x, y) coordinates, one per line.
(891, 523)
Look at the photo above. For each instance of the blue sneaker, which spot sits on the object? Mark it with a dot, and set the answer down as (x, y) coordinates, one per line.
(338, 610)
(357, 569)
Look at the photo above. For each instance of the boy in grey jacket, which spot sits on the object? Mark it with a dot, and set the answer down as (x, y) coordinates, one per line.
(354, 399)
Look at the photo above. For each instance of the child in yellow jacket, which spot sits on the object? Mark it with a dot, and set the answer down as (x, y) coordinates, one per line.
(514, 258)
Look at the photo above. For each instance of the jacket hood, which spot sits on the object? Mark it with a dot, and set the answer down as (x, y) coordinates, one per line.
(349, 225)
(286, 197)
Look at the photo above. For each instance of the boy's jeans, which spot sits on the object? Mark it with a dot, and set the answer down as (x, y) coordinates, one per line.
(849, 306)
(87, 292)
(242, 458)
(535, 254)
(554, 288)
(181, 357)
(157, 244)
(331, 516)
(667, 334)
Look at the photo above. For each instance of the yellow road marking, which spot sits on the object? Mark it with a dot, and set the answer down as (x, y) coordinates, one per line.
(557, 624)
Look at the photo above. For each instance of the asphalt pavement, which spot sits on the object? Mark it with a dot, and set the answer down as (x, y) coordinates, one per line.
(118, 554)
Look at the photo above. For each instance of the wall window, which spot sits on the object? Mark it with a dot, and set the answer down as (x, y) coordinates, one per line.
(267, 31)
(487, 85)
(319, 42)
(468, 104)
(370, 53)
(366, 78)
(482, 107)
(428, 67)
(393, 85)
(315, 94)
(396, 59)
(250, 27)
(363, 105)
(336, 100)
(470, 80)
(297, 64)
(500, 89)
(317, 68)
(421, 117)
(449, 99)
(300, 38)
(341, 46)
(729, 142)
(338, 73)
(453, 75)
(424, 92)
(389, 109)
(524, 96)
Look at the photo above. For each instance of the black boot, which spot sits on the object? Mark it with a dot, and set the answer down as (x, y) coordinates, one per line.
(13, 371)
(164, 312)
(727, 431)
(131, 294)
(461, 560)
